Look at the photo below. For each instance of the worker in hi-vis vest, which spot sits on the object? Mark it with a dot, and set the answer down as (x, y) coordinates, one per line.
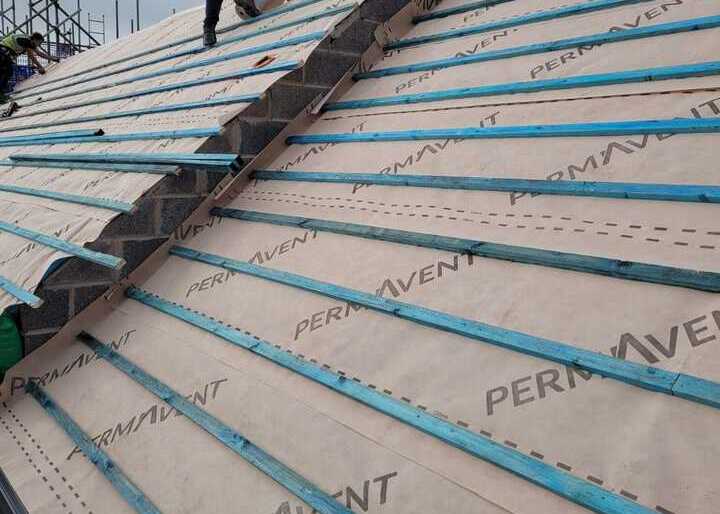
(14, 45)
(244, 8)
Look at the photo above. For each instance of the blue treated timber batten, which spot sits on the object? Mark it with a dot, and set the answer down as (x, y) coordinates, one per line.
(697, 389)
(122, 484)
(613, 128)
(226, 100)
(144, 158)
(51, 135)
(118, 138)
(576, 490)
(254, 455)
(211, 162)
(444, 13)
(21, 294)
(533, 86)
(72, 165)
(551, 14)
(108, 261)
(238, 74)
(628, 270)
(646, 377)
(619, 190)
(663, 29)
(270, 14)
(314, 36)
(102, 203)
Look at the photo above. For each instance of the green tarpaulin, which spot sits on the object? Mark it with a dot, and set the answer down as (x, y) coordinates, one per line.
(10, 344)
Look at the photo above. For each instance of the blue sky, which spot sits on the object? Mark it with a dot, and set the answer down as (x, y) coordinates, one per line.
(151, 11)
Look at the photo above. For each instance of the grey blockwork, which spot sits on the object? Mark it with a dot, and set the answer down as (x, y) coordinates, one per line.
(76, 284)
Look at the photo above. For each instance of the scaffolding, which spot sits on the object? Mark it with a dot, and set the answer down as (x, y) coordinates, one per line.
(64, 31)
(96, 27)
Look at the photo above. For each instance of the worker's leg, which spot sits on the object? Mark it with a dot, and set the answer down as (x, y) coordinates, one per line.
(212, 13)
(6, 72)
(246, 8)
(212, 16)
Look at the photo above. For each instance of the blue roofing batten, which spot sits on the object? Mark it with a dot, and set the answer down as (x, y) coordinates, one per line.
(444, 13)
(211, 161)
(266, 463)
(51, 135)
(646, 377)
(116, 168)
(663, 29)
(612, 128)
(628, 270)
(102, 203)
(155, 158)
(176, 69)
(551, 14)
(118, 138)
(576, 490)
(224, 100)
(533, 86)
(281, 10)
(129, 491)
(249, 72)
(697, 389)
(108, 261)
(621, 190)
(21, 294)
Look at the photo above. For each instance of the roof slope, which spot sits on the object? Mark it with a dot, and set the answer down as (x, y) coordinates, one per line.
(431, 336)
(156, 92)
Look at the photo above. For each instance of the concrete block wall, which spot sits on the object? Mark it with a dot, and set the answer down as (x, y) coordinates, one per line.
(333, 58)
(76, 284)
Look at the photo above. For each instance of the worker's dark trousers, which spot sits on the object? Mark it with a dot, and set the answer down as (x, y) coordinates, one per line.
(212, 13)
(6, 72)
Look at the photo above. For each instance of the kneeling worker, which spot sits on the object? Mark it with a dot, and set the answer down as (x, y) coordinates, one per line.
(244, 9)
(14, 45)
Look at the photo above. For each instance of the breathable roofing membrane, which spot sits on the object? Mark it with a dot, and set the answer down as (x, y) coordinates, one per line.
(155, 92)
(484, 304)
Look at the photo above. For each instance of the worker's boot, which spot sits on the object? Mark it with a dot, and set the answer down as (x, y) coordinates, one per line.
(10, 110)
(246, 9)
(209, 37)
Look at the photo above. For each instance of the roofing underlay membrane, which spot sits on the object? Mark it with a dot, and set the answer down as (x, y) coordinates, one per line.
(154, 92)
(452, 346)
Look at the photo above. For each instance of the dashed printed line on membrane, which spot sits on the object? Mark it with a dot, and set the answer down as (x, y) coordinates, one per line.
(581, 492)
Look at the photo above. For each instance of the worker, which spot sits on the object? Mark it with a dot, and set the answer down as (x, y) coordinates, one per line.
(14, 45)
(244, 8)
